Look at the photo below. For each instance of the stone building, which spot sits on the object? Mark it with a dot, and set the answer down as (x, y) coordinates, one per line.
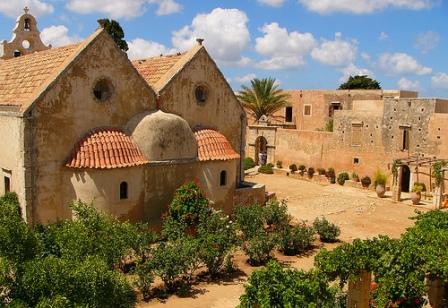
(371, 128)
(84, 122)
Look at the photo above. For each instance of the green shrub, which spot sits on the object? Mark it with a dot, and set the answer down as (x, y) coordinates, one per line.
(274, 286)
(279, 164)
(7, 280)
(355, 177)
(321, 171)
(302, 169)
(188, 203)
(248, 163)
(276, 214)
(366, 181)
(419, 187)
(342, 177)
(55, 302)
(327, 231)
(266, 169)
(310, 172)
(173, 229)
(380, 178)
(217, 238)
(259, 248)
(296, 240)
(249, 219)
(329, 125)
(270, 165)
(293, 168)
(145, 277)
(331, 175)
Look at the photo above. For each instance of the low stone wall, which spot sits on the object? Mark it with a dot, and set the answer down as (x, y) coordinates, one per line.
(250, 194)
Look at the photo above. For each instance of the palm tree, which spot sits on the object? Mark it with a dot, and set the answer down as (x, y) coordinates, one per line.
(263, 97)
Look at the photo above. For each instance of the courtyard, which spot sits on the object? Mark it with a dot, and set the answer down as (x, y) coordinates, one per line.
(359, 213)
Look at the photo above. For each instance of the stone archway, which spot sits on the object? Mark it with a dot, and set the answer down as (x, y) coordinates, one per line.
(261, 146)
(405, 179)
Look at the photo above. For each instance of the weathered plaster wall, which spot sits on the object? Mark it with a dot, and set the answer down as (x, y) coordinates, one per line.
(69, 110)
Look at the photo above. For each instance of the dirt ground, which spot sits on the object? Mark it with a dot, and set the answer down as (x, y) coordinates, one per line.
(359, 213)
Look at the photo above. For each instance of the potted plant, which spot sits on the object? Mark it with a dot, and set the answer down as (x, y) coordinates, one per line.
(310, 172)
(342, 177)
(355, 177)
(302, 169)
(293, 168)
(331, 175)
(366, 181)
(321, 171)
(416, 194)
(279, 164)
(380, 183)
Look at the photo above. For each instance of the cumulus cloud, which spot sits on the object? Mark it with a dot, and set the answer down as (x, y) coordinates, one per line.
(440, 81)
(15, 8)
(427, 41)
(58, 36)
(338, 52)
(140, 49)
(401, 63)
(225, 32)
(274, 3)
(246, 78)
(406, 84)
(123, 8)
(285, 50)
(353, 70)
(363, 6)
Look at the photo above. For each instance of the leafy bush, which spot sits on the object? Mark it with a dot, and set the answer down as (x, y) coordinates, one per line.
(276, 215)
(419, 187)
(302, 169)
(355, 177)
(217, 238)
(296, 240)
(329, 125)
(248, 163)
(293, 167)
(310, 172)
(271, 165)
(259, 248)
(249, 219)
(327, 231)
(380, 178)
(274, 286)
(321, 171)
(266, 169)
(188, 203)
(366, 181)
(279, 164)
(342, 177)
(331, 175)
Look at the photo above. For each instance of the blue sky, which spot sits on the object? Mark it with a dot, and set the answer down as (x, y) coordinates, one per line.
(304, 44)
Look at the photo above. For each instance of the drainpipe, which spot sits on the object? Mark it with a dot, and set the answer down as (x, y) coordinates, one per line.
(242, 128)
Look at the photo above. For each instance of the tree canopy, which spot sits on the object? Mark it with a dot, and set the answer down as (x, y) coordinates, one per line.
(116, 31)
(360, 82)
(263, 97)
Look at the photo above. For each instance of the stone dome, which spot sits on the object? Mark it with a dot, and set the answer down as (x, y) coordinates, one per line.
(163, 136)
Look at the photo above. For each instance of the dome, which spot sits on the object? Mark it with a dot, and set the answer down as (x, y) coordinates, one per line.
(163, 136)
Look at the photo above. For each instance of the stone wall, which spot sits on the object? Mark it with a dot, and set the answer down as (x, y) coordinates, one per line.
(250, 194)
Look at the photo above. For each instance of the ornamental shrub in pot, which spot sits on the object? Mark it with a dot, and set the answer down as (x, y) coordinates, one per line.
(321, 171)
(342, 177)
(366, 181)
(302, 169)
(331, 175)
(310, 172)
(380, 183)
(293, 168)
(416, 194)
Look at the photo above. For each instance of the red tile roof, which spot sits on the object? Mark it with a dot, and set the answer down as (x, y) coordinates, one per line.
(153, 69)
(106, 148)
(213, 145)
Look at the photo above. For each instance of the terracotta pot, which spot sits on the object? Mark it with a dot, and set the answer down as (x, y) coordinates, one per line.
(416, 197)
(380, 191)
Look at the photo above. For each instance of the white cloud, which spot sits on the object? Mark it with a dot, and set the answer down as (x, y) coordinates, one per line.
(274, 3)
(366, 57)
(383, 36)
(246, 78)
(440, 81)
(225, 32)
(167, 7)
(15, 8)
(353, 70)
(58, 36)
(363, 6)
(141, 49)
(427, 41)
(401, 63)
(406, 84)
(338, 52)
(285, 50)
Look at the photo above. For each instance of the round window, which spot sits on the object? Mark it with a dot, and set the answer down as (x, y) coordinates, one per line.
(103, 89)
(201, 94)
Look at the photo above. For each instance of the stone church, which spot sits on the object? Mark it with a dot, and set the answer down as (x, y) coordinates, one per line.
(84, 122)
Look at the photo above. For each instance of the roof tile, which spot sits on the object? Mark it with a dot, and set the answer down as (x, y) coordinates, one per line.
(212, 145)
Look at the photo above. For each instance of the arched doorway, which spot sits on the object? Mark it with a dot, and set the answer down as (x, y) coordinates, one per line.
(405, 178)
(260, 147)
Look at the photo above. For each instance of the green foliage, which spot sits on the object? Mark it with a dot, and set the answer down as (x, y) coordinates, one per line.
(58, 301)
(296, 240)
(266, 169)
(293, 167)
(437, 172)
(279, 164)
(7, 277)
(275, 214)
(366, 181)
(342, 177)
(263, 97)
(380, 178)
(249, 219)
(248, 163)
(274, 286)
(360, 82)
(321, 171)
(115, 31)
(418, 187)
(302, 168)
(327, 231)
(310, 172)
(396, 163)
(355, 177)
(259, 247)
(188, 203)
(331, 175)
(85, 283)
(329, 126)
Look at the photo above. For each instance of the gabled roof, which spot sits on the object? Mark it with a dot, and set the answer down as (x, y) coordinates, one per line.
(212, 145)
(25, 78)
(106, 148)
(159, 71)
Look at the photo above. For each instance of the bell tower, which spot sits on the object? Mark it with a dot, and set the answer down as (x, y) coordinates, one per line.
(25, 39)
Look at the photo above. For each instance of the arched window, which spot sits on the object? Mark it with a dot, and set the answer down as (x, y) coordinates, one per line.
(223, 178)
(27, 25)
(123, 190)
(17, 53)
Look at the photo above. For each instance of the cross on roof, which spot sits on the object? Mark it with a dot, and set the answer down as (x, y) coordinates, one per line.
(26, 9)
